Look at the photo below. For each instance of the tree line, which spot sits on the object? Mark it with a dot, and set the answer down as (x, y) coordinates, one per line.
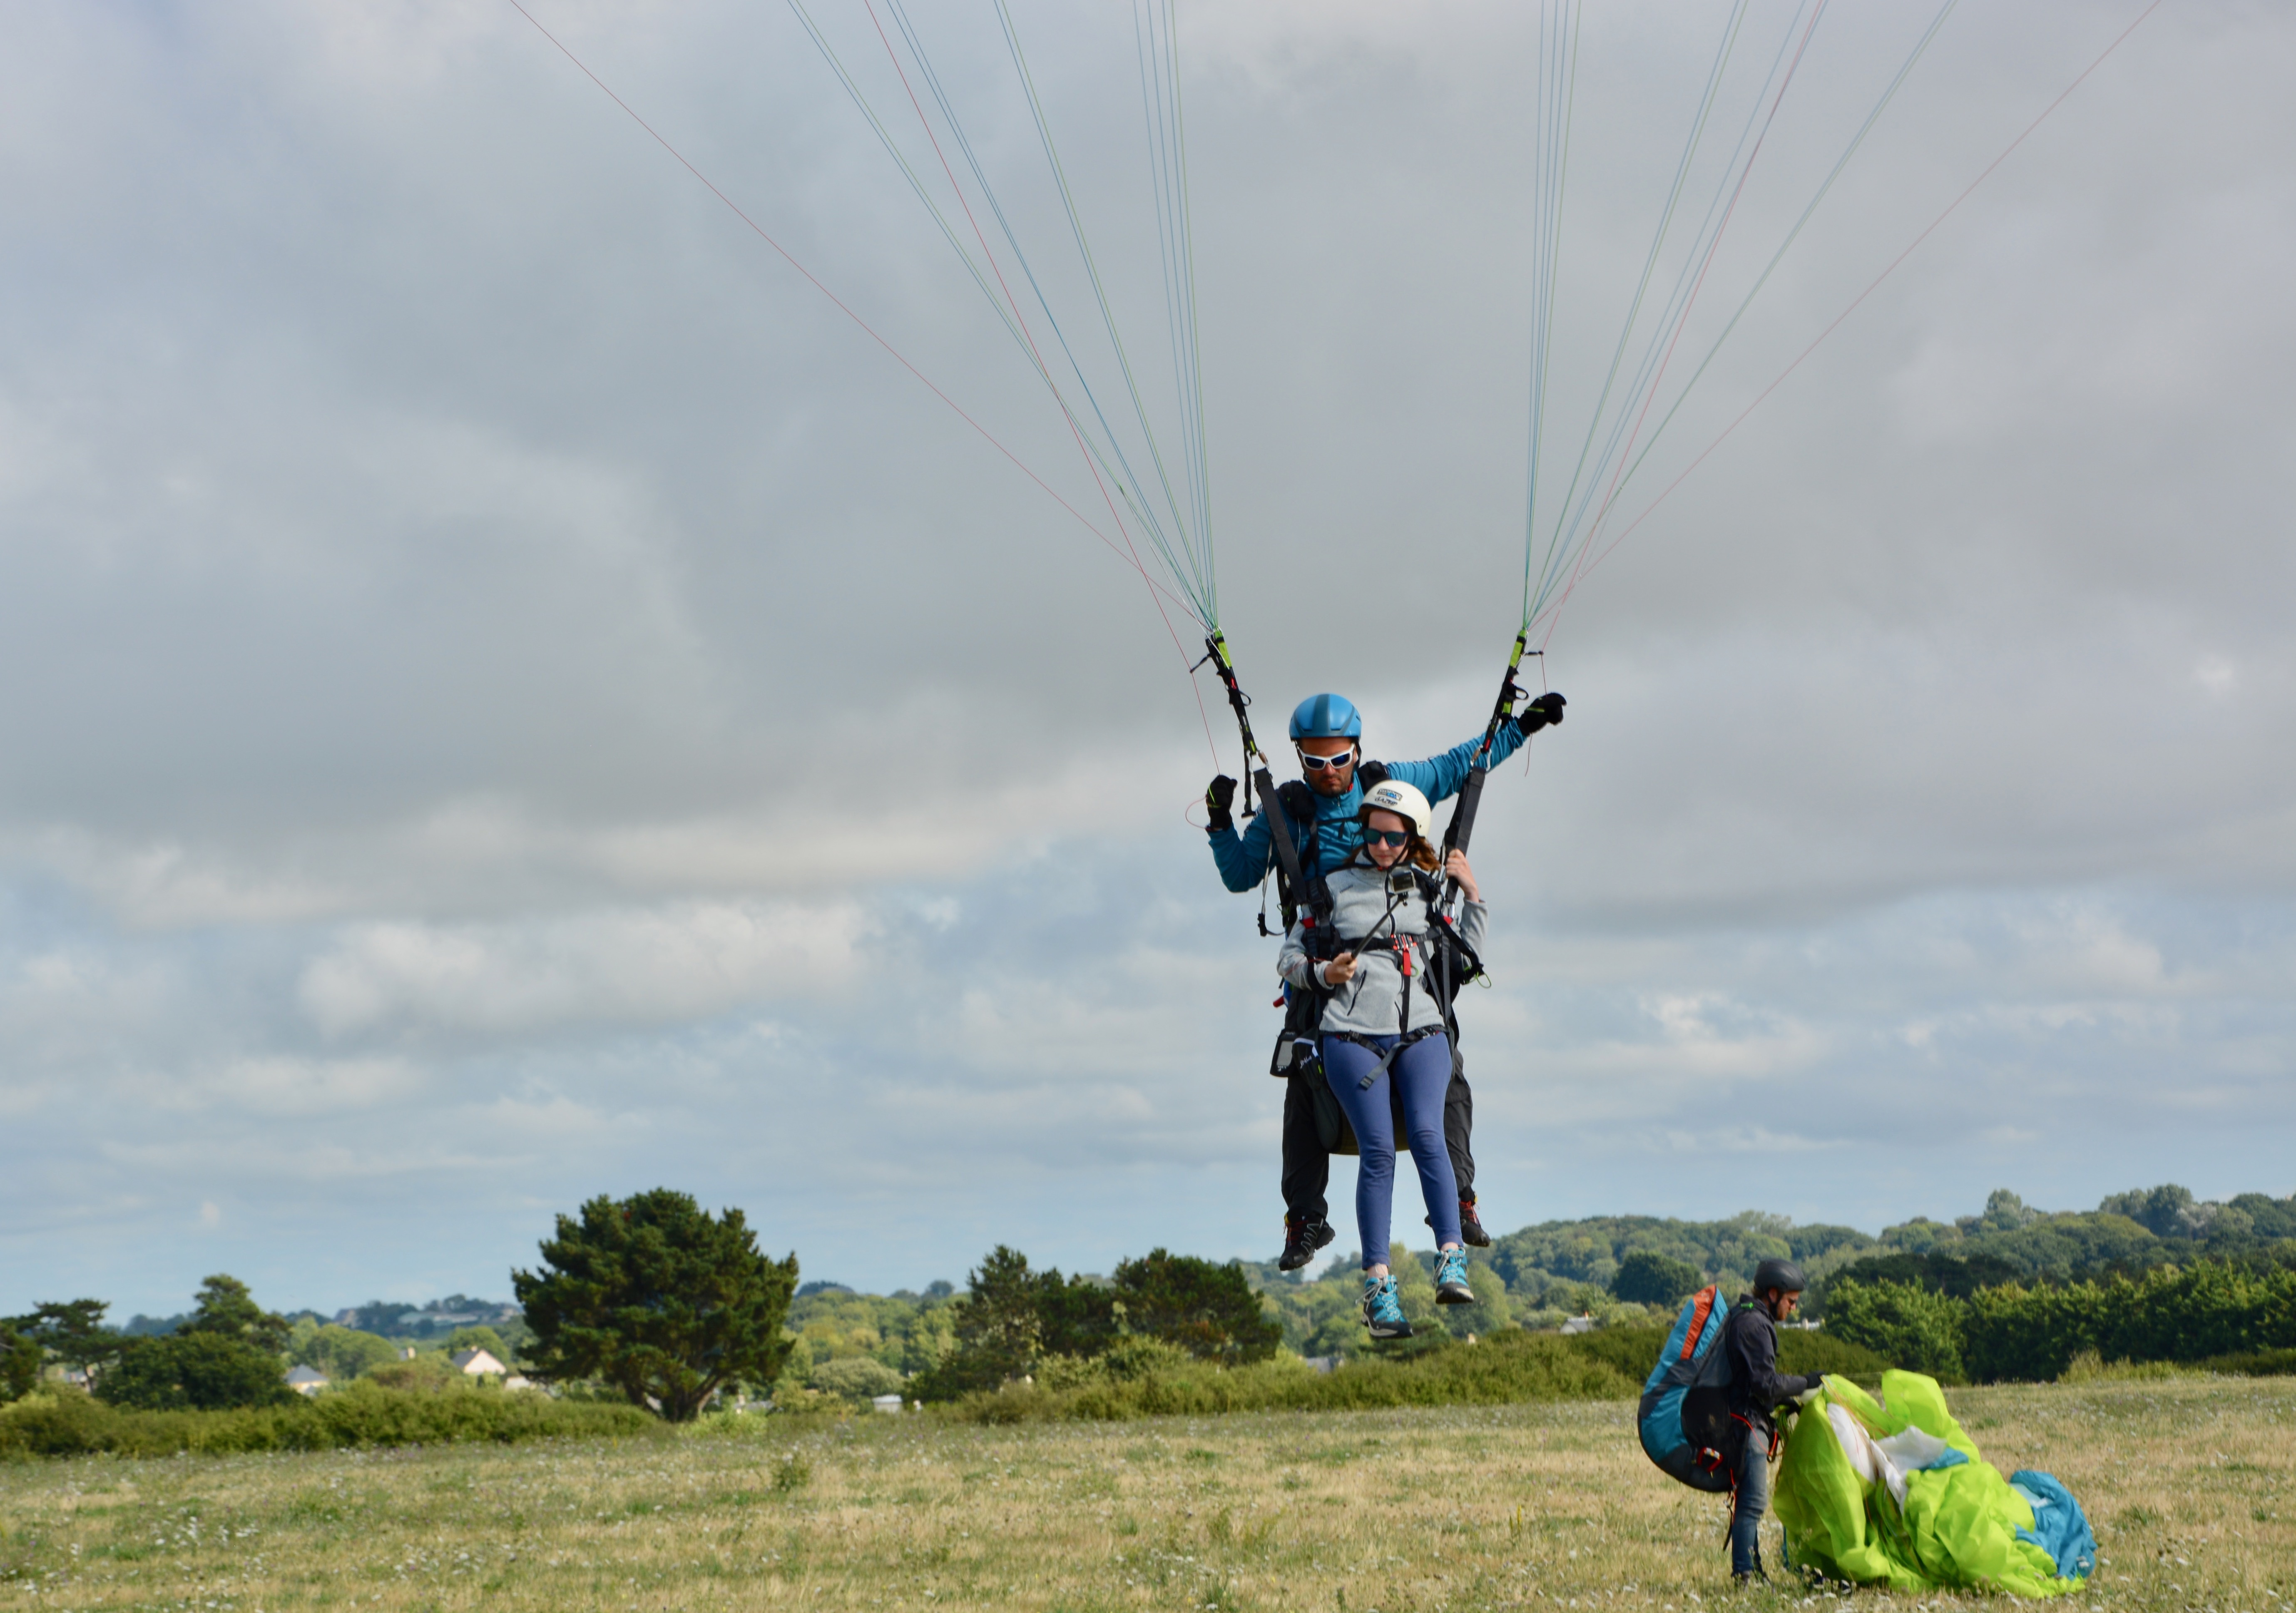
(654, 1301)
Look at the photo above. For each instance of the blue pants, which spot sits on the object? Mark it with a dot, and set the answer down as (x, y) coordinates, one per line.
(1422, 1074)
(1751, 1500)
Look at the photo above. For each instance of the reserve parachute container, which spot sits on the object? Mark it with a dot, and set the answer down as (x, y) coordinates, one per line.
(1681, 1430)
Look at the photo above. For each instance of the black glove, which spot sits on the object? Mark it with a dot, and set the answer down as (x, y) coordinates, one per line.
(1543, 712)
(1217, 800)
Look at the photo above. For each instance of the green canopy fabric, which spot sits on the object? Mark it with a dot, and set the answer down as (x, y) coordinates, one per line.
(1957, 1527)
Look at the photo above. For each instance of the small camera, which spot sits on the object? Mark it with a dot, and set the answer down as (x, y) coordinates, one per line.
(1401, 884)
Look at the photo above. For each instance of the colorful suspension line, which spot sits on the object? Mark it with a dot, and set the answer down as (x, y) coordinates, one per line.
(1621, 432)
(1173, 519)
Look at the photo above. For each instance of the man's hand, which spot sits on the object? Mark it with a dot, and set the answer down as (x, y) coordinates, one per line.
(1341, 970)
(1543, 712)
(1217, 800)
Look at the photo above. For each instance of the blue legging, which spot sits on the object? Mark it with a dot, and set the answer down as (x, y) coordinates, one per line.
(1422, 1073)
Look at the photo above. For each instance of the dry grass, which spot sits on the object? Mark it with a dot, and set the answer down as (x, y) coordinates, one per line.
(2189, 1483)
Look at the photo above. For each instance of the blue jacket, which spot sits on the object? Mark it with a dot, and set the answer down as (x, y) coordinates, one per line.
(1245, 859)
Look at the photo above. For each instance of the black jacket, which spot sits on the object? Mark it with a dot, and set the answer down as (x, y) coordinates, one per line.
(1756, 1384)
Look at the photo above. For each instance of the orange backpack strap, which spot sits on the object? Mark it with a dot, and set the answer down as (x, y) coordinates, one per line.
(1701, 1308)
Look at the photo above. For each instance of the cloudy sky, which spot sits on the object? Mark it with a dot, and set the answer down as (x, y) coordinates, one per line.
(512, 696)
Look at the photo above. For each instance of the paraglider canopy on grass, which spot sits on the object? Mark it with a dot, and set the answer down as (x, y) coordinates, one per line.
(1890, 1490)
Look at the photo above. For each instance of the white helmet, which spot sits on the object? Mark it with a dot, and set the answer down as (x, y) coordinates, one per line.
(1392, 795)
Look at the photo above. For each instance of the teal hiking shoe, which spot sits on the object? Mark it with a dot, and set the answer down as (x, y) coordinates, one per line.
(1451, 1279)
(1383, 1312)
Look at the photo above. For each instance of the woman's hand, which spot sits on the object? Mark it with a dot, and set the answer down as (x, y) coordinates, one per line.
(1456, 865)
(1341, 970)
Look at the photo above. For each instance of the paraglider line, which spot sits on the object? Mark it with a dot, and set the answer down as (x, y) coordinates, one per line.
(1554, 615)
(1029, 336)
(734, 208)
(1713, 246)
(759, 230)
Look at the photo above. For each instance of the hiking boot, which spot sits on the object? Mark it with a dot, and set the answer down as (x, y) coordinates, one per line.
(1471, 1229)
(1383, 1312)
(1451, 1279)
(1301, 1239)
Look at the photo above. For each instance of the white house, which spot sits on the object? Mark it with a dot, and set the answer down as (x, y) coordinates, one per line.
(477, 1363)
(305, 1380)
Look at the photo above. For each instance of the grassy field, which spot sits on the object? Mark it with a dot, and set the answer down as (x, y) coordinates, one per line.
(2192, 1486)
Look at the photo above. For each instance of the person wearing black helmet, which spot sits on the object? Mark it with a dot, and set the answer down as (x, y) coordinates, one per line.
(1323, 810)
(1749, 1339)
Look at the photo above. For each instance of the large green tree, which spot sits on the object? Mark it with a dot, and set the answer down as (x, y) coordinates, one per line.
(69, 1332)
(226, 1307)
(998, 1326)
(1207, 1308)
(227, 1353)
(658, 1298)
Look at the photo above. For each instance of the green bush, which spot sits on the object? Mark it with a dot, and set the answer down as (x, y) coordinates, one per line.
(2253, 1363)
(70, 1424)
(343, 1353)
(194, 1371)
(2211, 1309)
(1806, 1352)
(1903, 1324)
(1511, 1367)
(1647, 1277)
(1633, 1351)
(856, 1378)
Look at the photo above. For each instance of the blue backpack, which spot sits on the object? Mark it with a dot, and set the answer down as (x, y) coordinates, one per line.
(1684, 1418)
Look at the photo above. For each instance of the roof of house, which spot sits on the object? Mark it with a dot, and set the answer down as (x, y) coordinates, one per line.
(476, 1360)
(303, 1374)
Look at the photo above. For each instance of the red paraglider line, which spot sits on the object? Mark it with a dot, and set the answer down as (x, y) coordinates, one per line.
(1555, 614)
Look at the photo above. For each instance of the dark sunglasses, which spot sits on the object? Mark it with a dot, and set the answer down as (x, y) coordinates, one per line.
(1317, 764)
(1387, 837)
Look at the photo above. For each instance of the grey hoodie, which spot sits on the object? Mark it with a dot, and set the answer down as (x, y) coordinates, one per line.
(1371, 1004)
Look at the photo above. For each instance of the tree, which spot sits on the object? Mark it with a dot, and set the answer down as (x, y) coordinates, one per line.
(343, 1353)
(224, 1354)
(1207, 1309)
(71, 1333)
(19, 1363)
(1907, 1326)
(856, 1378)
(999, 1324)
(226, 1307)
(658, 1298)
(1646, 1277)
(479, 1337)
(196, 1371)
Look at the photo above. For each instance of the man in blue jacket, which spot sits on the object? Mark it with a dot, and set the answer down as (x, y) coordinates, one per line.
(1327, 731)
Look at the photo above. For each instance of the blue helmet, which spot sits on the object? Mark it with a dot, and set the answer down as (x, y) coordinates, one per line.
(1326, 717)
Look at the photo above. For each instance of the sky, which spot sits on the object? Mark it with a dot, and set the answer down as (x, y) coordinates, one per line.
(512, 695)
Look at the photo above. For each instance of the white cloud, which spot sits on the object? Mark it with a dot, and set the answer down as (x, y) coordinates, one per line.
(647, 966)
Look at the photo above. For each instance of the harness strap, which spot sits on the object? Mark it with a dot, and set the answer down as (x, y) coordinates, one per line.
(1386, 1058)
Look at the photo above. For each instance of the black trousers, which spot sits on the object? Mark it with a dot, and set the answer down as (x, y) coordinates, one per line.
(1308, 1168)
